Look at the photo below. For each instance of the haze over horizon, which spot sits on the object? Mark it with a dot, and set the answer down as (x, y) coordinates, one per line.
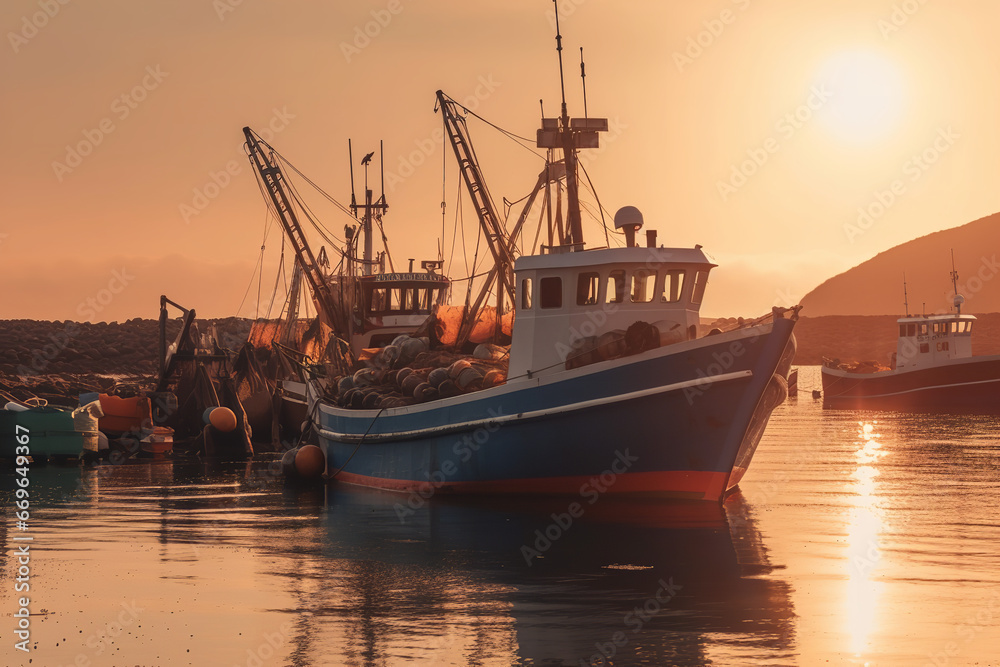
(793, 142)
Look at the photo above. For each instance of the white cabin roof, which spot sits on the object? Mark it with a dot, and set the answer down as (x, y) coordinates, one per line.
(604, 256)
(935, 318)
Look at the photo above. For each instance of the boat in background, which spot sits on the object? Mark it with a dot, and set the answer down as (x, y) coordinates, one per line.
(360, 306)
(608, 386)
(48, 432)
(933, 369)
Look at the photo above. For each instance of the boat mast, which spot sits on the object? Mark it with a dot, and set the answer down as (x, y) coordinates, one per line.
(954, 284)
(569, 153)
(274, 183)
(569, 134)
(906, 300)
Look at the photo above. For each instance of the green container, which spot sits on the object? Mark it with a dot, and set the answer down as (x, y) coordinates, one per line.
(50, 432)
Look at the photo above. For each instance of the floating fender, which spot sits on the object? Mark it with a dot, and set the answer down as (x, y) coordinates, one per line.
(288, 462)
(310, 462)
(223, 419)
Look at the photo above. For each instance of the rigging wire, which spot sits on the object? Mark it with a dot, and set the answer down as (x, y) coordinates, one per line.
(604, 223)
(517, 139)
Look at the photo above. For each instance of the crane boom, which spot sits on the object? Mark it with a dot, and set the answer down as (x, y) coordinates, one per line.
(274, 182)
(496, 235)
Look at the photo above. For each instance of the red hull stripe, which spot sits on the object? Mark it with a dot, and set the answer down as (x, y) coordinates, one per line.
(695, 485)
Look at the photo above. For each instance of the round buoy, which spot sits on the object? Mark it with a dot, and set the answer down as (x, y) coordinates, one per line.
(309, 461)
(206, 416)
(223, 419)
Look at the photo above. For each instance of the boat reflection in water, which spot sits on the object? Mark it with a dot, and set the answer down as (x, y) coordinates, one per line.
(498, 582)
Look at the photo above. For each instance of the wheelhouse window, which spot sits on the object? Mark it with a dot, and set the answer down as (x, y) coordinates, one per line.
(587, 287)
(526, 294)
(396, 299)
(410, 299)
(925, 348)
(673, 285)
(643, 284)
(426, 298)
(700, 282)
(550, 292)
(616, 287)
(379, 300)
(911, 329)
(923, 329)
(902, 330)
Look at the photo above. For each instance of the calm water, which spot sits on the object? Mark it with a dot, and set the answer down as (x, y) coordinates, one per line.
(856, 538)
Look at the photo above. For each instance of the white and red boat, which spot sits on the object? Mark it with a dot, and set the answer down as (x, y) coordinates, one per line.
(933, 370)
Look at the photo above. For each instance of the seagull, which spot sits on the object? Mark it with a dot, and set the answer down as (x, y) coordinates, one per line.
(368, 158)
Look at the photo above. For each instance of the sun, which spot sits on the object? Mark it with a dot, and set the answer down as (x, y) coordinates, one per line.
(867, 96)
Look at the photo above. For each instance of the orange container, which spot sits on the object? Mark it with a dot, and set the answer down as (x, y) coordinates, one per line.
(122, 415)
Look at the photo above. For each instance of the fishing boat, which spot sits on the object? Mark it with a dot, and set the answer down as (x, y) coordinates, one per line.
(933, 369)
(361, 306)
(609, 385)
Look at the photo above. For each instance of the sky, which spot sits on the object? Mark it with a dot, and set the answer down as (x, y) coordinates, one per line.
(792, 140)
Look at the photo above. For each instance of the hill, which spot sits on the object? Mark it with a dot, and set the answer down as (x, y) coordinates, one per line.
(875, 287)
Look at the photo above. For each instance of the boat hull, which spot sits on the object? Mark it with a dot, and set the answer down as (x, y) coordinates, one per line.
(672, 421)
(969, 385)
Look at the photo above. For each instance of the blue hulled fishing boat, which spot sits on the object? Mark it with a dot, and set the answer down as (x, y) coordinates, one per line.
(609, 384)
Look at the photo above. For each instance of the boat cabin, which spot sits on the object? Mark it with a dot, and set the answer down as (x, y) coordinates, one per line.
(933, 340)
(391, 304)
(564, 299)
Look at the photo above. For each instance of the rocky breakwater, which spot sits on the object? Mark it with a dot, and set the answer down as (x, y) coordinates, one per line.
(58, 360)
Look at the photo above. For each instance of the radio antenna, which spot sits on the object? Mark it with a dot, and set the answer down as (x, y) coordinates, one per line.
(906, 301)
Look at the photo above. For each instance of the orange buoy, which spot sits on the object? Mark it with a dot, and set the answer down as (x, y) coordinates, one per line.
(223, 419)
(309, 461)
